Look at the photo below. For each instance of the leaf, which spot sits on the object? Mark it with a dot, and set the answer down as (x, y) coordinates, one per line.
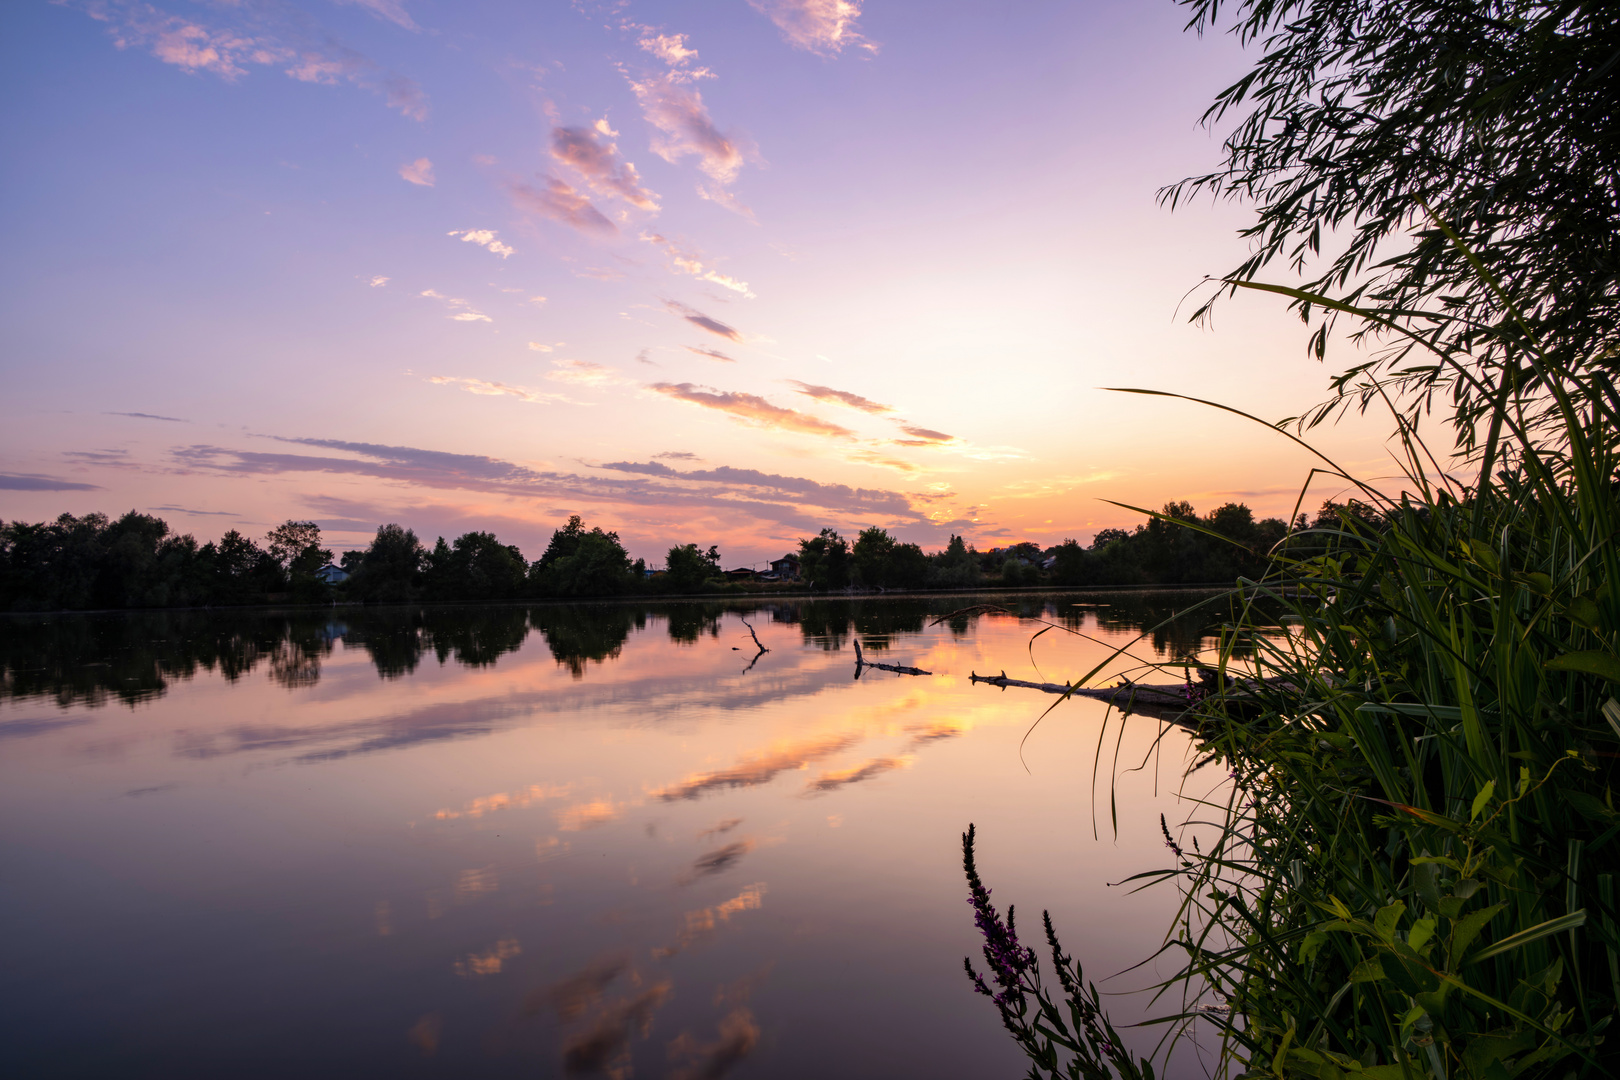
(1422, 931)
(1482, 799)
(1586, 612)
(1387, 919)
(1524, 937)
(1368, 971)
(1588, 662)
(1466, 929)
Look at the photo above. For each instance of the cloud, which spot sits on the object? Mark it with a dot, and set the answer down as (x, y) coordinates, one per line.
(263, 35)
(418, 172)
(33, 482)
(687, 261)
(149, 416)
(831, 781)
(600, 273)
(499, 389)
(756, 769)
(840, 496)
(585, 373)
(672, 50)
(921, 436)
(505, 800)
(562, 202)
(751, 409)
(484, 238)
(488, 962)
(721, 197)
(685, 128)
(196, 513)
(824, 27)
(738, 1036)
(391, 10)
(697, 318)
(379, 281)
(712, 354)
(597, 160)
(538, 346)
(842, 397)
(463, 311)
(678, 455)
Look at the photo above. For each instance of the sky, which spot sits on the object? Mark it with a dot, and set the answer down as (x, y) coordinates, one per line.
(719, 273)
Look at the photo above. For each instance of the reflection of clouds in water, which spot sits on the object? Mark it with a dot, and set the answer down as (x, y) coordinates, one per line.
(550, 848)
(703, 921)
(837, 778)
(721, 829)
(717, 861)
(923, 734)
(384, 914)
(757, 768)
(424, 1034)
(588, 815)
(571, 996)
(605, 1045)
(739, 1035)
(507, 800)
(471, 884)
(490, 961)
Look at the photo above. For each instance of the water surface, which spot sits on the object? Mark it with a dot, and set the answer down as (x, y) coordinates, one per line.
(557, 840)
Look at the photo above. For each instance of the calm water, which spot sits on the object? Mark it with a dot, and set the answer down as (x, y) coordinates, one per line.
(594, 839)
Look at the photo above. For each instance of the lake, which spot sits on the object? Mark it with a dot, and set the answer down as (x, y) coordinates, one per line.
(549, 840)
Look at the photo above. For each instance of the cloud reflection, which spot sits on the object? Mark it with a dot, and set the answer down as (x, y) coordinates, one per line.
(758, 768)
(832, 781)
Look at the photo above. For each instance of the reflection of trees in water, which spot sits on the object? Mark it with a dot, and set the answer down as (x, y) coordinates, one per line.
(579, 634)
(132, 657)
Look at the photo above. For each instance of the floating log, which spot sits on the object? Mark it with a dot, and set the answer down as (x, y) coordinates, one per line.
(1136, 697)
(862, 662)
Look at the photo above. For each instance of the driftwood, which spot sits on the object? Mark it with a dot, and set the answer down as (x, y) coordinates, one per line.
(862, 662)
(1160, 702)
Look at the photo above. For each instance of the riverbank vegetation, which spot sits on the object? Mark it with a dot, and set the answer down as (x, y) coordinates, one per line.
(1412, 869)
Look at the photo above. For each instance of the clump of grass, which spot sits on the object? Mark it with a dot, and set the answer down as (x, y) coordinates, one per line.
(1415, 868)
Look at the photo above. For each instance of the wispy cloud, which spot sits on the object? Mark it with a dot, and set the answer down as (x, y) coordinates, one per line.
(260, 34)
(832, 496)
(484, 238)
(149, 416)
(391, 10)
(688, 261)
(712, 354)
(562, 202)
(35, 482)
(672, 50)
(697, 318)
(921, 436)
(684, 127)
(585, 373)
(678, 455)
(378, 281)
(461, 310)
(418, 172)
(824, 27)
(500, 389)
(842, 397)
(751, 409)
(592, 153)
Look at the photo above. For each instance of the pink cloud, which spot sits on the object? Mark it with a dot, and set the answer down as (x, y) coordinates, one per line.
(751, 409)
(419, 172)
(824, 27)
(597, 160)
(697, 318)
(562, 202)
(685, 128)
(841, 397)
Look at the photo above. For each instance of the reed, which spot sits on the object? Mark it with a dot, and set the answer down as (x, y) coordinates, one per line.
(1415, 863)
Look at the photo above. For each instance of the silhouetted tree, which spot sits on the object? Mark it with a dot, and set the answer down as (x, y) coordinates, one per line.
(824, 561)
(687, 568)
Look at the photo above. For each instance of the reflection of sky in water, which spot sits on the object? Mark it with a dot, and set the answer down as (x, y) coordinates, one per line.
(552, 840)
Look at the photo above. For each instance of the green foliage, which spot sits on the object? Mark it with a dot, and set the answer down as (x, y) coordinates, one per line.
(882, 562)
(391, 570)
(688, 569)
(582, 563)
(476, 567)
(1368, 121)
(824, 561)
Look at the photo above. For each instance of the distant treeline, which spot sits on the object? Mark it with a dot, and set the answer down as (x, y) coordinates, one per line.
(138, 561)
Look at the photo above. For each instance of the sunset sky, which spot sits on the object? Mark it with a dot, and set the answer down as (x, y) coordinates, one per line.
(720, 272)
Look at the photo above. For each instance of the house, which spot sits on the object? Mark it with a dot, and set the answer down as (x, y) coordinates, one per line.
(332, 575)
(784, 569)
(742, 573)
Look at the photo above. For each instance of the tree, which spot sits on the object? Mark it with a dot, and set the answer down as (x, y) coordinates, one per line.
(392, 567)
(687, 568)
(824, 561)
(296, 541)
(874, 547)
(1071, 565)
(477, 567)
(578, 562)
(957, 567)
(1362, 117)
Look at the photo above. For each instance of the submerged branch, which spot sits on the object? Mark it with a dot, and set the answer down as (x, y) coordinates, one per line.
(862, 662)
